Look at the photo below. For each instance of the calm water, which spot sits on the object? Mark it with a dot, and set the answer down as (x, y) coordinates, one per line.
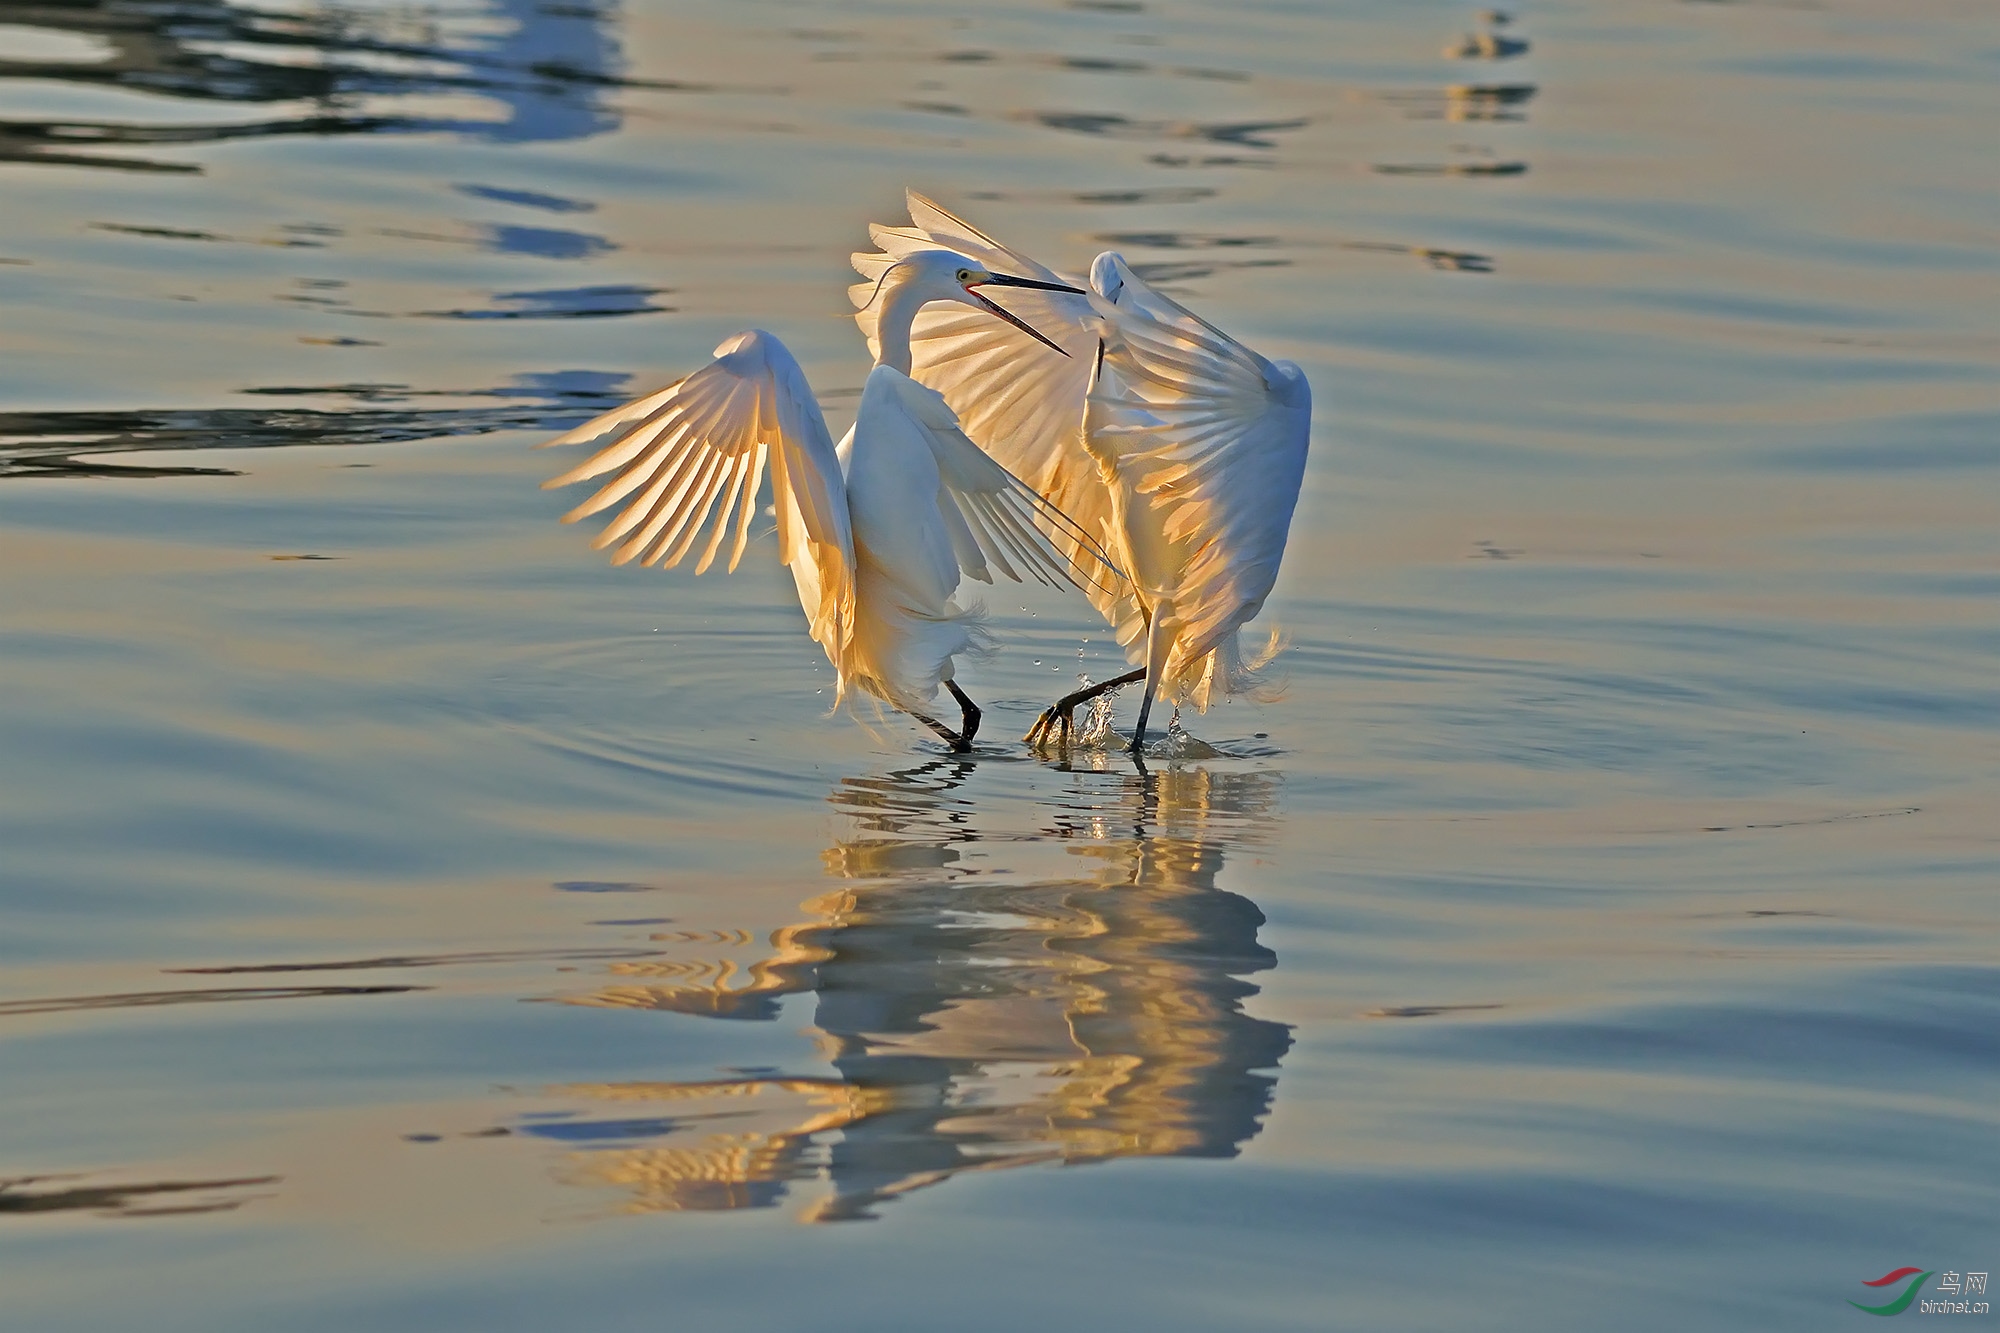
(410, 923)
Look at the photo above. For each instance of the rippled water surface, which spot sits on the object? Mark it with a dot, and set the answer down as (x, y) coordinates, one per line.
(410, 923)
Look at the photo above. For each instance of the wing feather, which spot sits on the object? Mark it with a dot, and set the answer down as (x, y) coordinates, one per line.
(596, 426)
(1023, 405)
(1215, 435)
(690, 459)
(981, 565)
(738, 470)
(673, 514)
(687, 527)
(646, 511)
(1007, 519)
(1014, 526)
(1152, 399)
(661, 439)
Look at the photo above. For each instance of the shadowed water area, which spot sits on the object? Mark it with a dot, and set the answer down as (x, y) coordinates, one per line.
(412, 923)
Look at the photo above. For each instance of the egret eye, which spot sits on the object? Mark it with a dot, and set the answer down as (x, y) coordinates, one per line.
(965, 275)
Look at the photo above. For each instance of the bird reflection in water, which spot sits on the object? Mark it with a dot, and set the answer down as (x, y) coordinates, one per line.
(975, 1022)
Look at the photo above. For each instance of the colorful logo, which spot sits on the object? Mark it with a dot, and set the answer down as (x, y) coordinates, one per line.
(1902, 1302)
(1953, 1288)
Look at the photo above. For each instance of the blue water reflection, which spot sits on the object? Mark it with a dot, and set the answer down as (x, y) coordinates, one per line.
(546, 71)
(527, 199)
(68, 443)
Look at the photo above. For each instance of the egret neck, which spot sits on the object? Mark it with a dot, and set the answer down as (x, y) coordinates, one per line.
(914, 281)
(904, 293)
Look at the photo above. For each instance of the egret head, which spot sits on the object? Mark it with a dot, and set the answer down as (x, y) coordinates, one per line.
(944, 275)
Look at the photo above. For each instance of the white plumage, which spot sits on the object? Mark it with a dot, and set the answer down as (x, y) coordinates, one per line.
(878, 531)
(1175, 447)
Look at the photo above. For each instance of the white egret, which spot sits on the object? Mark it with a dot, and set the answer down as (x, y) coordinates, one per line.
(1175, 446)
(877, 530)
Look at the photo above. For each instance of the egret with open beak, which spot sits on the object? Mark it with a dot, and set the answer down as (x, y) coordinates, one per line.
(879, 530)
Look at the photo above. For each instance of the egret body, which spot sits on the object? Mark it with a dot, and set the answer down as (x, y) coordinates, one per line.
(878, 531)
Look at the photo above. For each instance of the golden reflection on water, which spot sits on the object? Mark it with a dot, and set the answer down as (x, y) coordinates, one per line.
(976, 1022)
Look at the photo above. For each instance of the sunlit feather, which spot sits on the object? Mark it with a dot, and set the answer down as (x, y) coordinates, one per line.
(1174, 447)
(878, 532)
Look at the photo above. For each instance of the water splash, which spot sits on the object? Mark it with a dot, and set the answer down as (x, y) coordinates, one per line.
(1095, 733)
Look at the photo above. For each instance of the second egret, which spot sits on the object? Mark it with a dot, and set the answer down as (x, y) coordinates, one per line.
(1174, 445)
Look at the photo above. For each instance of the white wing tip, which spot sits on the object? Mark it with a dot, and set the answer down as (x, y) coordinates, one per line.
(583, 471)
(589, 430)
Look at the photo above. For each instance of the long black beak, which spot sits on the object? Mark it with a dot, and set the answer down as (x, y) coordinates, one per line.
(1007, 280)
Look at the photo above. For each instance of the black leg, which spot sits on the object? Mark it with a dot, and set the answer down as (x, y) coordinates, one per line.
(970, 726)
(1160, 636)
(1139, 732)
(1061, 712)
(951, 737)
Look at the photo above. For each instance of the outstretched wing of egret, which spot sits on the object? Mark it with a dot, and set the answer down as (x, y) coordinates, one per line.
(689, 460)
(995, 521)
(1216, 435)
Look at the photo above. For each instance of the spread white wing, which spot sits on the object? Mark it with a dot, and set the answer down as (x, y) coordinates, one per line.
(1152, 398)
(696, 450)
(1216, 436)
(1021, 404)
(989, 515)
